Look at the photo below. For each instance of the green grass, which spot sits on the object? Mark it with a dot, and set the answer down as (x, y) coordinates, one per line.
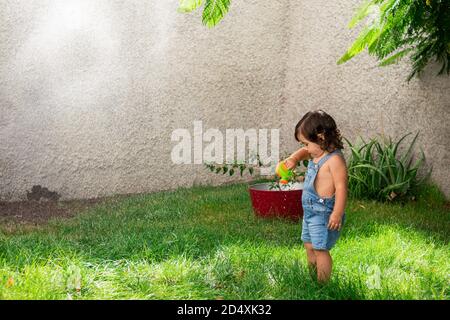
(205, 243)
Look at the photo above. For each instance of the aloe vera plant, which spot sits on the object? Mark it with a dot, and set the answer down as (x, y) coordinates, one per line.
(378, 170)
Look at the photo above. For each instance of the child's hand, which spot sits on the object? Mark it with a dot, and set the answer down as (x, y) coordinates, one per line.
(290, 163)
(335, 222)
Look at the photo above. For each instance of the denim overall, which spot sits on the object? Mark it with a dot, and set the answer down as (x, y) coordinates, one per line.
(317, 210)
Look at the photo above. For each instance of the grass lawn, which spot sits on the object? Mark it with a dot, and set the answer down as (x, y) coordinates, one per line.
(206, 243)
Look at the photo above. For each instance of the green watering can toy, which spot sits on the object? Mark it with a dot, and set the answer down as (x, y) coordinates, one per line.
(283, 172)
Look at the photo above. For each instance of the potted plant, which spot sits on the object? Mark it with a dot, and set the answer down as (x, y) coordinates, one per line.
(272, 198)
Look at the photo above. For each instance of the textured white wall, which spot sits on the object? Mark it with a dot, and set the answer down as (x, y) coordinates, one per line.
(90, 91)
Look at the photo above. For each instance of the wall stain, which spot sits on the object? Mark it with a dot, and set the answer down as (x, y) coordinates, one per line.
(38, 192)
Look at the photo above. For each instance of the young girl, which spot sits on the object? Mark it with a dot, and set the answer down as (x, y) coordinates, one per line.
(325, 188)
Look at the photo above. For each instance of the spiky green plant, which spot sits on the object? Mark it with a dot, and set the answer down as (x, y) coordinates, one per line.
(213, 10)
(397, 28)
(378, 170)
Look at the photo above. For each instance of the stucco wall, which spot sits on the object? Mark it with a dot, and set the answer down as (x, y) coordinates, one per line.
(90, 91)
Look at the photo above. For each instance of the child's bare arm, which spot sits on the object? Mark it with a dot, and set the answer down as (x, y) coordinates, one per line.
(338, 170)
(299, 155)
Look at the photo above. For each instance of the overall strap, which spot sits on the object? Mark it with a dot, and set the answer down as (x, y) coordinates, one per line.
(322, 161)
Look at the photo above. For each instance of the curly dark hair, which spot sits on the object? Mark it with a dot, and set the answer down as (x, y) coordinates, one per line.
(319, 127)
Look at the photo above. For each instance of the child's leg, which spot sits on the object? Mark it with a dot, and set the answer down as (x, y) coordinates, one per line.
(311, 258)
(324, 265)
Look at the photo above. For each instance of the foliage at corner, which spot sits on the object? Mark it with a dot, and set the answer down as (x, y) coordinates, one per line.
(396, 28)
(213, 10)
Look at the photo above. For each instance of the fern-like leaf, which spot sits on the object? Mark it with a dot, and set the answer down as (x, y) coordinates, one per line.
(419, 27)
(366, 38)
(361, 13)
(214, 11)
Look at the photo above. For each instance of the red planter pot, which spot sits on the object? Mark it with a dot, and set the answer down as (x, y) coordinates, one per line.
(285, 203)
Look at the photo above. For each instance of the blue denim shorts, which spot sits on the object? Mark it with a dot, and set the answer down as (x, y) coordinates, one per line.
(315, 224)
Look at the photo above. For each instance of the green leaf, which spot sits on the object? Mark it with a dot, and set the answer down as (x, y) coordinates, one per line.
(397, 144)
(357, 178)
(186, 6)
(365, 39)
(373, 168)
(393, 187)
(408, 152)
(361, 13)
(214, 11)
(394, 58)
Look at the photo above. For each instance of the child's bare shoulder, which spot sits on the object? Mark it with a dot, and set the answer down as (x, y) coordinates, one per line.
(337, 161)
